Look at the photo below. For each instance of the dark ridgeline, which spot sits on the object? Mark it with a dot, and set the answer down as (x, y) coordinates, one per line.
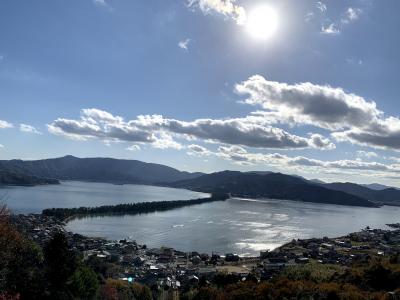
(239, 184)
(97, 169)
(377, 186)
(15, 178)
(387, 196)
(131, 208)
(271, 185)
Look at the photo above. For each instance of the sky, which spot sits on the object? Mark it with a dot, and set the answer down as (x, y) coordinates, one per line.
(298, 87)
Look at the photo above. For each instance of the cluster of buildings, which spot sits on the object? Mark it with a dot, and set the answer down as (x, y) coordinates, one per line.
(167, 268)
(163, 267)
(358, 247)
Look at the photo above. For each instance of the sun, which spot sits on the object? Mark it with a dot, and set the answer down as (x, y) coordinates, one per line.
(262, 22)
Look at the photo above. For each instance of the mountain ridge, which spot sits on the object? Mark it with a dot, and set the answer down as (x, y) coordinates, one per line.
(14, 178)
(256, 184)
(388, 196)
(274, 185)
(98, 169)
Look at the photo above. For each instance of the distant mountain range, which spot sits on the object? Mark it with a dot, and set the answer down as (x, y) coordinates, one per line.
(270, 185)
(371, 186)
(388, 196)
(97, 169)
(240, 184)
(378, 187)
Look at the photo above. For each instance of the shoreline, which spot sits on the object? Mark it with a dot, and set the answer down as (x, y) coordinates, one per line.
(165, 266)
(53, 224)
(249, 252)
(156, 266)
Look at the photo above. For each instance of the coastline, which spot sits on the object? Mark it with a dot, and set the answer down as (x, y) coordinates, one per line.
(167, 268)
(39, 228)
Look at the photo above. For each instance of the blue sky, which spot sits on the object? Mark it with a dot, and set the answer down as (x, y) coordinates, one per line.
(185, 83)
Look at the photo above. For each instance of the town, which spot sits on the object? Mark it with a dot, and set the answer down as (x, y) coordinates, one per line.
(169, 269)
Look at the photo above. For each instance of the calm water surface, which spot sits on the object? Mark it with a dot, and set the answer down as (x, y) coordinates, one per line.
(241, 226)
(75, 194)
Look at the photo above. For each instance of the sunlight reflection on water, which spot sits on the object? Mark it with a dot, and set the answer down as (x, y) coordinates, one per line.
(238, 225)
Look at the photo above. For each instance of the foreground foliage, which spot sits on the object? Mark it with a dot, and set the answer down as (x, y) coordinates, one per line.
(379, 280)
(54, 272)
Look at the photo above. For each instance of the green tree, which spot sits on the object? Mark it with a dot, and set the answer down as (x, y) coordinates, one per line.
(83, 283)
(20, 263)
(61, 263)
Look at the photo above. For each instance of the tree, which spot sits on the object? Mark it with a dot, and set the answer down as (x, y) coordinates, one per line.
(61, 263)
(83, 283)
(20, 263)
(121, 290)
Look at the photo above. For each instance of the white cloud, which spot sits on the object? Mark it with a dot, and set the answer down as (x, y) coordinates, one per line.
(95, 123)
(1, 146)
(28, 129)
(320, 142)
(307, 103)
(350, 117)
(165, 141)
(198, 150)
(239, 131)
(5, 124)
(103, 4)
(309, 16)
(335, 26)
(321, 6)
(228, 8)
(100, 2)
(184, 44)
(396, 159)
(241, 156)
(93, 115)
(133, 148)
(249, 131)
(351, 14)
(331, 29)
(353, 61)
(367, 154)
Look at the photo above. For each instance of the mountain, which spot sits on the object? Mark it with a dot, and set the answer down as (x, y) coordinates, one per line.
(388, 196)
(317, 181)
(377, 186)
(12, 178)
(259, 172)
(248, 184)
(97, 169)
(272, 185)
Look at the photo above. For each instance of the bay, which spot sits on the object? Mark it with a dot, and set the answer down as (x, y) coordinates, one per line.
(75, 194)
(241, 226)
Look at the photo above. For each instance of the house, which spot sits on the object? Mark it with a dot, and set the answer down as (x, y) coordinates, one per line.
(302, 260)
(264, 254)
(231, 257)
(207, 272)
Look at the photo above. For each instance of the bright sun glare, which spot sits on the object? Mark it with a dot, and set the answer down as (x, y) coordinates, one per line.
(262, 22)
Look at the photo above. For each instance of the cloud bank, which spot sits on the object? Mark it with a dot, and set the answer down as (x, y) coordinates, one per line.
(241, 156)
(349, 117)
(159, 131)
(344, 116)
